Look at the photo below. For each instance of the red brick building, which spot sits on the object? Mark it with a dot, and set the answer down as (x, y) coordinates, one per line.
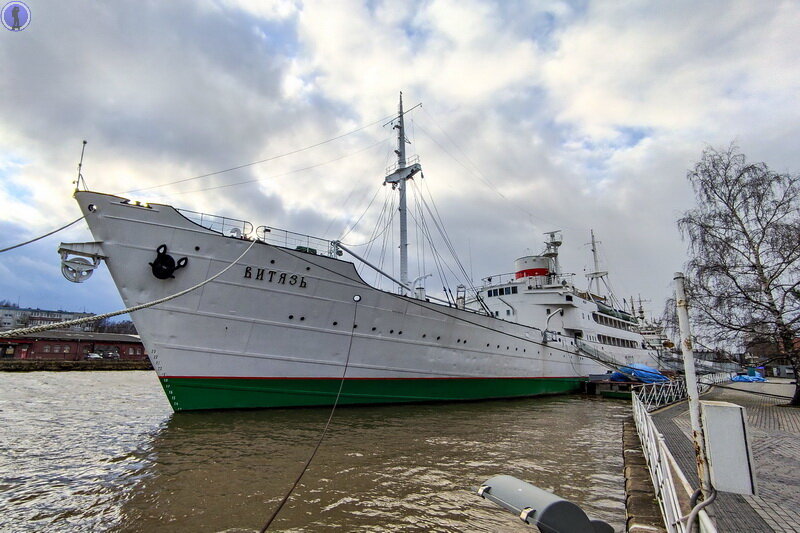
(65, 345)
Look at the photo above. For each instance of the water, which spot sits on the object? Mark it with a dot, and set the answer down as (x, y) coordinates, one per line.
(89, 451)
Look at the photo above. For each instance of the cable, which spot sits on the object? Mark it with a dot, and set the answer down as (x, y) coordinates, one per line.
(261, 160)
(93, 318)
(41, 237)
(284, 173)
(356, 299)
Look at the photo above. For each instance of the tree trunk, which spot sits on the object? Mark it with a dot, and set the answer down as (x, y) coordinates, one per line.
(796, 398)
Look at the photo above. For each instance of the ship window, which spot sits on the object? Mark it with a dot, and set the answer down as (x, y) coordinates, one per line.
(508, 312)
(547, 311)
(56, 348)
(513, 290)
(506, 290)
(66, 348)
(569, 298)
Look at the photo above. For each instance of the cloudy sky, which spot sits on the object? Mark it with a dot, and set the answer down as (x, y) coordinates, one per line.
(536, 116)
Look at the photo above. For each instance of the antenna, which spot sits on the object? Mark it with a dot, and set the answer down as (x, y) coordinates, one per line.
(80, 179)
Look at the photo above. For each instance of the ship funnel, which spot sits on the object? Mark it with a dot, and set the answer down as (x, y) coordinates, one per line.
(531, 265)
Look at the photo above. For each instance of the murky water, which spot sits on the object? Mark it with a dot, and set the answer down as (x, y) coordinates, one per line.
(89, 451)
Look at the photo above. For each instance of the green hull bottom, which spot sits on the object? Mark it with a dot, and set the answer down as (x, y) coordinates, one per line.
(191, 393)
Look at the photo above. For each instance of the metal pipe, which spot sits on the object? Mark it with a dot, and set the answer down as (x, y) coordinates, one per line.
(703, 473)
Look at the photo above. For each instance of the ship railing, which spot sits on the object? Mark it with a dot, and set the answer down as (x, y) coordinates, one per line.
(230, 227)
(411, 160)
(297, 241)
(537, 282)
(669, 482)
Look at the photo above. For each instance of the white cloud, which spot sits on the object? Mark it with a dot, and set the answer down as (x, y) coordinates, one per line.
(579, 115)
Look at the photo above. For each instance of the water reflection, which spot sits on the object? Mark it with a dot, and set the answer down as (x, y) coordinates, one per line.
(102, 451)
(380, 468)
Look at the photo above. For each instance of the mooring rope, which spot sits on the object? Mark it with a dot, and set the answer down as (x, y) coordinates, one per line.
(356, 299)
(41, 236)
(93, 318)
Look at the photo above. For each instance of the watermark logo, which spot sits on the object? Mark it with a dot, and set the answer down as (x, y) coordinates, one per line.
(16, 16)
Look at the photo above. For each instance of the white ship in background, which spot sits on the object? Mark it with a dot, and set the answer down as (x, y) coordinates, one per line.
(292, 320)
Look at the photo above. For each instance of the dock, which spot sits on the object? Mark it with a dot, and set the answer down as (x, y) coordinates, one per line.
(775, 433)
(51, 365)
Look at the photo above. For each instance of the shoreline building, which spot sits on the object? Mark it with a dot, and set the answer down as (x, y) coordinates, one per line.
(12, 317)
(68, 345)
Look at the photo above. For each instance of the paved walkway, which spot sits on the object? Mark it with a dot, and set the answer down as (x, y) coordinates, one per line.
(775, 434)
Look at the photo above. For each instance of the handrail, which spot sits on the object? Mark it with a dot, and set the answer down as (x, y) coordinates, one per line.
(666, 475)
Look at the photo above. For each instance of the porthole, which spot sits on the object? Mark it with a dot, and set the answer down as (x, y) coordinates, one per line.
(437, 338)
(399, 332)
(271, 261)
(391, 331)
(373, 329)
(291, 317)
(302, 318)
(424, 335)
(335, 323)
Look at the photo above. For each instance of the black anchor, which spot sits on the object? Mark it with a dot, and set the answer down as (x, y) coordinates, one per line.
(164, 265)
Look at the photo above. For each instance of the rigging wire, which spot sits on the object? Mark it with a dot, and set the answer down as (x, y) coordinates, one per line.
(477, 173)
(354, 224)
(295, 171)
(272, 158)
(42, 236)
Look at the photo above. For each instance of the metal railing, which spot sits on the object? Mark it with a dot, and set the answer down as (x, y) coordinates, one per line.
(657, 395)
(666, 475)
(668, 479)
(297, 241)
(231, 227)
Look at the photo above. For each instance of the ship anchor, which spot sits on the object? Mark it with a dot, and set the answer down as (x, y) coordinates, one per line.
(164, 265)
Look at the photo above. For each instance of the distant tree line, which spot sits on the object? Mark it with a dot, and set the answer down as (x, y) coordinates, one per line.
(106, 325)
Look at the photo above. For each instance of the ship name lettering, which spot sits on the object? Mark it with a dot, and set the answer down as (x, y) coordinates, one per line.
(273, 276)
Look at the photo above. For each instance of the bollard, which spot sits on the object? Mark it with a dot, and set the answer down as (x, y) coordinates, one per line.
(538, 507)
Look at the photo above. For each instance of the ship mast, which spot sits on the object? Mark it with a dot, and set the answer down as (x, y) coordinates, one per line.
(597, 274)
(398, 175)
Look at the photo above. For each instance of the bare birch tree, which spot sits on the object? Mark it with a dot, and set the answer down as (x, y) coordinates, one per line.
(744, 244)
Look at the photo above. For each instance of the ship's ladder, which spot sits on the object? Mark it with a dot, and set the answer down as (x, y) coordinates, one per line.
(590, 352)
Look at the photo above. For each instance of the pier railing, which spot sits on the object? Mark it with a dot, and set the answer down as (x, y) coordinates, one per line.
(657, 395)
(670, 484)
(669, 481)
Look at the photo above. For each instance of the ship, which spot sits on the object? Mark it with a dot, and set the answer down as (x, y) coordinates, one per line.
(275, 318)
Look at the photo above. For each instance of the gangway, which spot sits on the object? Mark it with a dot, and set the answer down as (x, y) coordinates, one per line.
(590, 352)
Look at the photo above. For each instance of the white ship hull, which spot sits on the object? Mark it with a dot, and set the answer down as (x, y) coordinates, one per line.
(282, 327)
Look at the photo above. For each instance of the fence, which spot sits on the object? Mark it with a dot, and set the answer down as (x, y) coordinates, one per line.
(669, 482)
